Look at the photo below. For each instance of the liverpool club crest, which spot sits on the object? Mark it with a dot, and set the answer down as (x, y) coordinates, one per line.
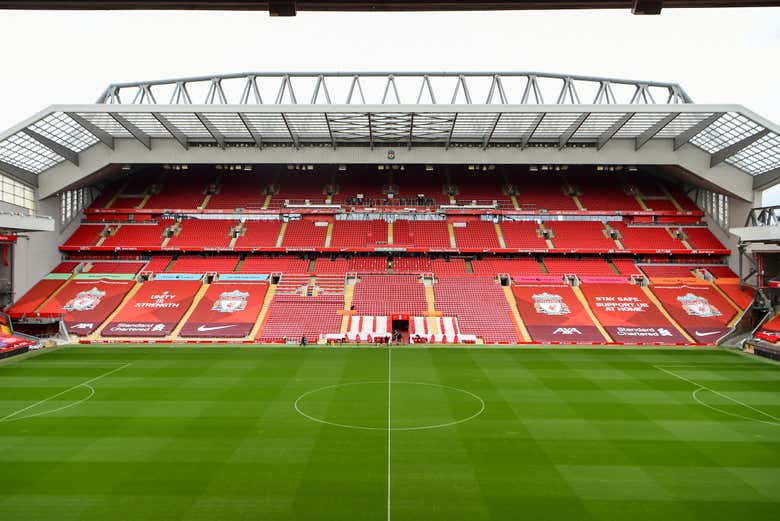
(549, 304)
(697, 306)
(230, 302)
(85, 300)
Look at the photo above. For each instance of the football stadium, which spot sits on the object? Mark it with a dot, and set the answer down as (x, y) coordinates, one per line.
(390, 295)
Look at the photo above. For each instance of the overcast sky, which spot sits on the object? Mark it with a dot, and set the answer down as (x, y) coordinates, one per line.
(718, 56)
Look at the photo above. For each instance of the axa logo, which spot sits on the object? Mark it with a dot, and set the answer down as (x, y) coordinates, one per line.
(567, 331)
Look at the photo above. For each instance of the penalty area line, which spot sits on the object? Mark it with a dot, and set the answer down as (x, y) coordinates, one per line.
(52, 397)
(776, 420)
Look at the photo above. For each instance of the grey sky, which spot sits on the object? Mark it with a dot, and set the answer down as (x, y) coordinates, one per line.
(718, 56)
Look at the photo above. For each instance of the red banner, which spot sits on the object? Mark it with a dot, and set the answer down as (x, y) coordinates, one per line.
(699, 309)
(155, 310)
(85, 304)
(553, 313)
(227, 310)
(628, 315)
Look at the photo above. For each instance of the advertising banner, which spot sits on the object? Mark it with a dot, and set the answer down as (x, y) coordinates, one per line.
(155, 310)
(226, 310)
(85, 304)
(699, 309)
(553, 313)
(629, 315)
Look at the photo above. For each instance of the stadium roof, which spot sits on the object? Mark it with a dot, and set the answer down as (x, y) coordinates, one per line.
(289, 7)
(442, 110)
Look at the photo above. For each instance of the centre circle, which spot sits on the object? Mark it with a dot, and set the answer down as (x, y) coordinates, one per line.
(398, 406)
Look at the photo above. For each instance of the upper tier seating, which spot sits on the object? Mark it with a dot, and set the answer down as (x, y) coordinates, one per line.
(65, 267)
(647, 237)
(259, 234)
(476, 187)
(306, 233)
(239, 190)
(284, 264)
(522, 235)
(138, 235)
(199, 233)
(626, 267)
(595, 194)
(429, 184)
(453, 266)
(668, 271)
(702, 239)
(522, 266)
(389, 295)
(158, 263)
(115, 267)
(359, 234)
(412, 265)
(660, 205)
(480, 306)
(542, 192)
(421, 234)
(475, 234)
(581, 267)
(126, 202)
(181, 191)
(86, 235)
(580, 235)
(196, 264)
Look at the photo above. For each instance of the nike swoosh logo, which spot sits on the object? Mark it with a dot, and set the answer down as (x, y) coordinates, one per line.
(204, 328)
(707, 334)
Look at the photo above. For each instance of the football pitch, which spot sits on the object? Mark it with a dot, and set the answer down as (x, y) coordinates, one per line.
(235, 433)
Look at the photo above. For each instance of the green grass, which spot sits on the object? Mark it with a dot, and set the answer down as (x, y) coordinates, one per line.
(212, 433)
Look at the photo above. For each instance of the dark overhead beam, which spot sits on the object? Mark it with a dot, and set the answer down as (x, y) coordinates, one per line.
(611, 131)
(289, 7)
(214, 131)
(19, 174)
(258, 139)
(60, 150)
(725, 153)
(695, 130)
(573, 128)
(136, 132)
(766, 180)
(650, 133)
(530, 132)
(647, 6)
(177, 134)
(106, 138)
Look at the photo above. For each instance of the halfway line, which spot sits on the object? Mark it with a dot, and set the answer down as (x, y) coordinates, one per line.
(389, 430)
(4, 418)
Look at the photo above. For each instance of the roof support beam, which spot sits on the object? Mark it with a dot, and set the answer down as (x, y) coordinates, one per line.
(696, 129)
(106, 138)
(215, 133)
(647, 135)
(60, 150)
(534, 124)
(330, 130)
(411, 130)
(177, 134)
(725, 153)
(136, 132)
(489, 135)
(371, 132)
(19, 174)
(608, 134)
(766, 180)
(452, 129)
(252, 130)
(573, 128)
(289, 130)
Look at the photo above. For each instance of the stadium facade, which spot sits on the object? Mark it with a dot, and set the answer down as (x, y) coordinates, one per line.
(351, 205)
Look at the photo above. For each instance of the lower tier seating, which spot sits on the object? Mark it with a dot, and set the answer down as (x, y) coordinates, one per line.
(480, 306)
(291, 317)
(389, 295)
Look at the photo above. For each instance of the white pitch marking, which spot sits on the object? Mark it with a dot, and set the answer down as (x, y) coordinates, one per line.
(389, 428)
(704, 387)
(300, 411)
(82, 384)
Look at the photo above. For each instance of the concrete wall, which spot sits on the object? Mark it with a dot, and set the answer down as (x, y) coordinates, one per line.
(36, 253)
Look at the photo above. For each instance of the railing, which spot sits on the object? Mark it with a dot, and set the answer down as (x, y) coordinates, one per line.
(765, 216)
